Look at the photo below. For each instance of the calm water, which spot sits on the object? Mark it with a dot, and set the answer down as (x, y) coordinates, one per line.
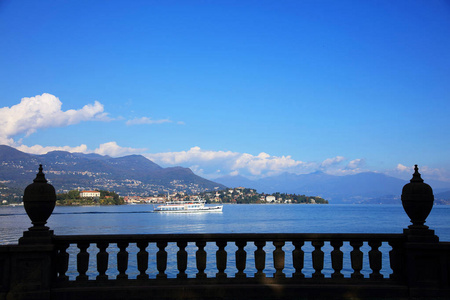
(281, 218)
(243, 218)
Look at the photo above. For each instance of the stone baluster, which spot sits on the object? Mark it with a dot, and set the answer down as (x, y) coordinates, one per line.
(241, 259)
(298, 258)
(161, 260)
(62, 261)
(337, 258)
(317, 258)
(102, 261)
(396, 256)
(182, 259)
(278, 259)
(260, 259)
(142, 260)
(375, 259)
(221, 259)
(356, 257)
(82, 261)
(122, 260)
(200, 257)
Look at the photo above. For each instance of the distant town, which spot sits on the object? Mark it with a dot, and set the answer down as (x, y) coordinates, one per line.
(238, 195)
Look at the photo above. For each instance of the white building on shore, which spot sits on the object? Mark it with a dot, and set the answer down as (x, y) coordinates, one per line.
(90, 194)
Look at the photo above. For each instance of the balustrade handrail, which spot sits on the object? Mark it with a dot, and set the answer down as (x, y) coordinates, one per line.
(211, 237)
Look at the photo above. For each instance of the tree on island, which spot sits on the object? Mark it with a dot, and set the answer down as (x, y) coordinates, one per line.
(73, 198)
(246, 195)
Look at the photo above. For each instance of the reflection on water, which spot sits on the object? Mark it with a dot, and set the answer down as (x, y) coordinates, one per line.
(140, 219)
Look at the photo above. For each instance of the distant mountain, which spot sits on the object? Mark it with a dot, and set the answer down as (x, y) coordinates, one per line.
(236, 181)
(443, 195)
(136, 175)
(442, 198)
(366, 187)
(133, 174)
(11, 154)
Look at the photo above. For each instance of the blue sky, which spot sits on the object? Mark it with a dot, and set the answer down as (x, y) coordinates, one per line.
(254, 88)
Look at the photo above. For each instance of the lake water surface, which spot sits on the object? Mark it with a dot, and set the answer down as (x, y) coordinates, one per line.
(237, 218)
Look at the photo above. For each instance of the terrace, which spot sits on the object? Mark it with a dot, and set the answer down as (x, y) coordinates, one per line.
(410, 265)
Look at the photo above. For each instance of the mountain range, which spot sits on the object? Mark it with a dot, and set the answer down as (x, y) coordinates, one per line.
(128, 175)
(137, 175)
(368, 187)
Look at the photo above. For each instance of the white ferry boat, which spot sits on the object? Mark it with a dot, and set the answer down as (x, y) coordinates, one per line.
(187, 207)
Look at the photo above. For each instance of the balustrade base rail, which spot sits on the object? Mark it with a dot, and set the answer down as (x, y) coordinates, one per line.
(227, 281)
(248, 291)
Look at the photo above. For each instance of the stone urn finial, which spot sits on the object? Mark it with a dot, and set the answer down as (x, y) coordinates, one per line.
(417, 200)
(39, 200)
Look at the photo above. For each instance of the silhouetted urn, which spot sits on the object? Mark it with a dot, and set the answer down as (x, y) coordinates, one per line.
(39, 200)
(417, 200)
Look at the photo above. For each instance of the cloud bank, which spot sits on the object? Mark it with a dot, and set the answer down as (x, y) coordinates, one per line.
(43, 111)
(110, 149)
(212, 164)
(114, 150)
(405, 172)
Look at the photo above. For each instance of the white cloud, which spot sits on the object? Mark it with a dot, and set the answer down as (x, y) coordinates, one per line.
(234, 173)
(337, 166)
(213, 163)
(43, 111)
(195, 154)
(38, 149)
(110, 148)
(219, 163)
(114, 150)
(355, 164)
(263, 163)
(402, 168)
(145, 120)
(433, 173)
(332, 161)
(344, 171)
(428, 173)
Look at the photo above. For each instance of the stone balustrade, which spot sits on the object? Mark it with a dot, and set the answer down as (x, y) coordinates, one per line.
(247, 251)
(44, 266)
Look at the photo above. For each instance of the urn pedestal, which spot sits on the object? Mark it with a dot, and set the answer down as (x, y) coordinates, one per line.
(417, 201)
(39, 200)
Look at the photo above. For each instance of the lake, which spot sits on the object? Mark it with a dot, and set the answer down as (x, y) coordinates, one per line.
(235, 218)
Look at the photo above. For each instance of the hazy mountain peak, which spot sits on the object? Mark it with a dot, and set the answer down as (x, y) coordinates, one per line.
(368, 187)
